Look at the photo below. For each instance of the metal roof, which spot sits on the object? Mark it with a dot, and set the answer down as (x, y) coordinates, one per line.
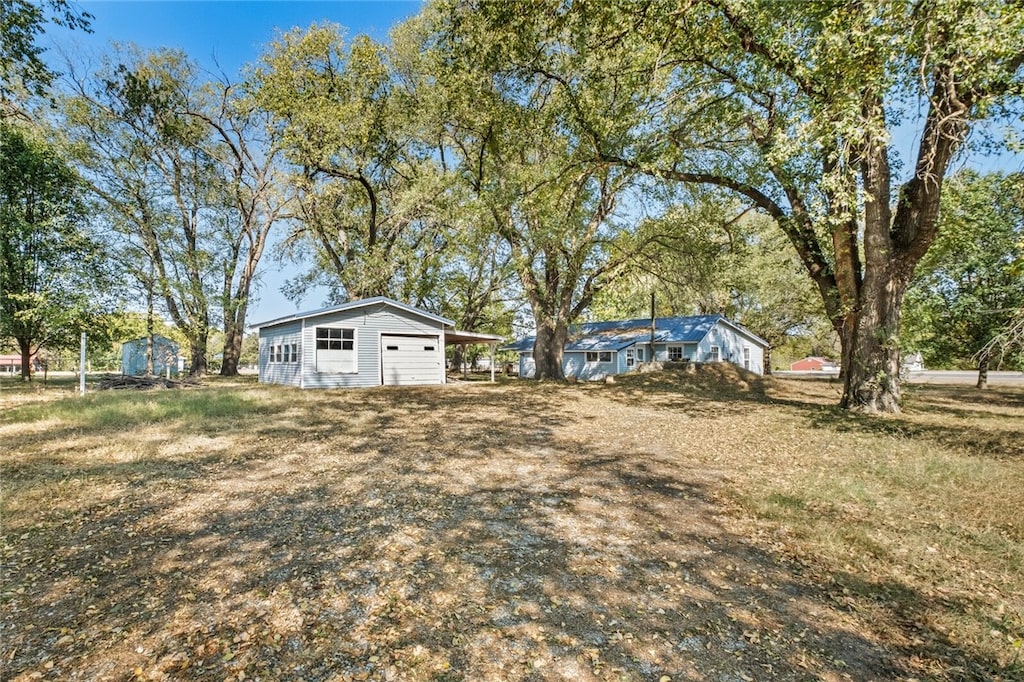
(352, 305)
(619, 334)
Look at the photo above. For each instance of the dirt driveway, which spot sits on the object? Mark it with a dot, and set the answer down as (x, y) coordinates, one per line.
(467, 532)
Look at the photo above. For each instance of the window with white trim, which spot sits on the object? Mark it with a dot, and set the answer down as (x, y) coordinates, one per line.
(715, 354)
(639, 354)
(335, 350)
(599, 356)
(675, 353)
(746, 357)
(630, 357)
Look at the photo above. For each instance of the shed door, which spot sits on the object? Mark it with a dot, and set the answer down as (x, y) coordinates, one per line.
(410, 360)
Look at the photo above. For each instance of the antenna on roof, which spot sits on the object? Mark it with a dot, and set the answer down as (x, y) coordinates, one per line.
(652, 326)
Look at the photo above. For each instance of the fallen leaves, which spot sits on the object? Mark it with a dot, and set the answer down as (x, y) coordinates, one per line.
(378, 536)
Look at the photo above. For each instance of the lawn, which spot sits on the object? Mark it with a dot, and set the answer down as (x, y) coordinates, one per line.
(664, 527)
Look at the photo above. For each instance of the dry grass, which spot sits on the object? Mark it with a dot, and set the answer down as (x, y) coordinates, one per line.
(705, 527)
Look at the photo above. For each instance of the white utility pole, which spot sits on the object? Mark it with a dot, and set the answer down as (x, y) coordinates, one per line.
(81, 368)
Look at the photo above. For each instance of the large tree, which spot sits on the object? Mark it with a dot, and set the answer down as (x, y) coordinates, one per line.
(792, 106)
(148, 161)
(190, 174)
(255, 196)
(366, 181)
(51, 269)
(516, 148)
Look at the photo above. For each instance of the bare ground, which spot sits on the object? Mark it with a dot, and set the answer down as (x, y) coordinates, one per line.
(636, 531)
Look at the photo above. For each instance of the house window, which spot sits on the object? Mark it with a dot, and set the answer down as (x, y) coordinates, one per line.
(746, 357)
(335, 350)
(714, 355)
(290, 352)
(275, 353)
(602, 356)
(630, 357)
(605, 356)
(675, 353)
(591, 356)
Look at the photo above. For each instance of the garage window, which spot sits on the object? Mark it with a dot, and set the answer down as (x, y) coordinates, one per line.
(335, 350)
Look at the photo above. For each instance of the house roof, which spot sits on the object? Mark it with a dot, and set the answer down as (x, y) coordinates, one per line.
(353, 305)
(619, 334)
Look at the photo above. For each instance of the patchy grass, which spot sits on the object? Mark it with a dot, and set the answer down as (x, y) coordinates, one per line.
(702, 526)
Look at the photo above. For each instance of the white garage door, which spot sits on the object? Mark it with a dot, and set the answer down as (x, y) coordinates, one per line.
(410, 360)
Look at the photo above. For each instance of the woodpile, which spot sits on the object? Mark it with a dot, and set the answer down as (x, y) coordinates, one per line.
(121, 381)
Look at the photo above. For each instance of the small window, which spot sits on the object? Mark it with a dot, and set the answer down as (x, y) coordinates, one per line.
(392, 347)
(278, 353)
(715, 354)
(630, 357)
(428, 348)
(606, 356)
(332, 338)
(639, 354)
(591, 356)
(675, 353)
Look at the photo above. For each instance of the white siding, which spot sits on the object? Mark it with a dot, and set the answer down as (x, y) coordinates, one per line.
(275, 372)
(731, 343)
(589, 371)
(370, 323)
(527, 366)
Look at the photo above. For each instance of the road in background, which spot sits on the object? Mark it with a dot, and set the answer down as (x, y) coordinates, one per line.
(931, 377)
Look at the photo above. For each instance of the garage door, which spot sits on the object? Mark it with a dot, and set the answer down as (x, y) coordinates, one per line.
(411, 360)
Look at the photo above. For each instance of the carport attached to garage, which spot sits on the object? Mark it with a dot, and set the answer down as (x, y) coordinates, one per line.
(408, 360)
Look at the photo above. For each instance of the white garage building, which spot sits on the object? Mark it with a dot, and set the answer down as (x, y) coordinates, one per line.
(373, 342)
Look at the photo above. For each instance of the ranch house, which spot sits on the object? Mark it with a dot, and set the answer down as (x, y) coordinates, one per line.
(596, 350)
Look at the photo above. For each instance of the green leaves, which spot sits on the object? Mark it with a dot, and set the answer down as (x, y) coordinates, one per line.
(51, 269)
(967, 289)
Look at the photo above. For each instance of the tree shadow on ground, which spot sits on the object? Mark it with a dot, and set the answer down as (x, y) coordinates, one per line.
(419, 534)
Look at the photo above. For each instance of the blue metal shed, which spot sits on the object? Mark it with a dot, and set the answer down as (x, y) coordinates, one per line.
(165, 356)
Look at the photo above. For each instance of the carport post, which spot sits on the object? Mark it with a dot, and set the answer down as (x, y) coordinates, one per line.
(492, 345)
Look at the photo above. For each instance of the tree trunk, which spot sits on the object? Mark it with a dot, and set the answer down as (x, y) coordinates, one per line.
(767, 369)
(871, 357)
(232, 350)
(25, 347)
(548, 349)
(982, 372)
(458, 357)
(197, 348)
(150, 345)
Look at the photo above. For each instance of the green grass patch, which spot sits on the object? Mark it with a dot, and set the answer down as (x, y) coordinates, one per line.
(128, 409)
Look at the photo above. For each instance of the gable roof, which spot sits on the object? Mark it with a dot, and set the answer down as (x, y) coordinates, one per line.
(352, 305)
(619, 334)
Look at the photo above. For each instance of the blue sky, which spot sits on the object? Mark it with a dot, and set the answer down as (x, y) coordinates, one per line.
(226, 35)
(230, 33)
